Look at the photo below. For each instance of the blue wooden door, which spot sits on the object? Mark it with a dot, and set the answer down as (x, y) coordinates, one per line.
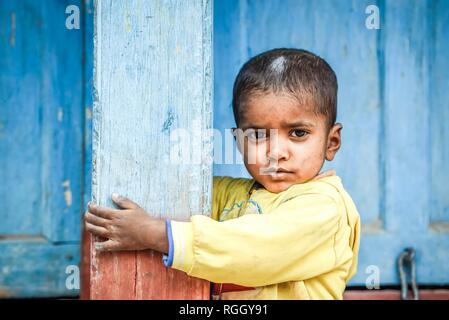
(41, 148)
(393, 104)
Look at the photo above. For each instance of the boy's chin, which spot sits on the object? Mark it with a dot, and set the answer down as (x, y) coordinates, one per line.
(277, 186)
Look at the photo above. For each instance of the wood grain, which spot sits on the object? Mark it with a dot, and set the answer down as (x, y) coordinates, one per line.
(152, 86)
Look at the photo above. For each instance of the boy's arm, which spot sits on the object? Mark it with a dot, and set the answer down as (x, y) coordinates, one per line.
(294, 242)
(130, 228)
(221, 186)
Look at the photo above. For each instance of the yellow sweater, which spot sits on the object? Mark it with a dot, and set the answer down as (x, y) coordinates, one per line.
(301, 243)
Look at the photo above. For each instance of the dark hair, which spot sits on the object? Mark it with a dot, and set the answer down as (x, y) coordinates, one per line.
(298, 72)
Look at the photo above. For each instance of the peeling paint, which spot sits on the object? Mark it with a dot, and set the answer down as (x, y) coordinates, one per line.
(375, 227)
(128, 26)
(88, 113)
(67, 193)
(439, 226)
(169, 121)
(132, 122)
(2, 127)
(12, 35)
(60, 114)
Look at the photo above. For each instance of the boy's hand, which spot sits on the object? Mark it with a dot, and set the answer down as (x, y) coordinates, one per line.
(128, 228)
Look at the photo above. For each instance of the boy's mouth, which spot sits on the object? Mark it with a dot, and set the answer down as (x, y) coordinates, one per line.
(282, 170)
(279, 171)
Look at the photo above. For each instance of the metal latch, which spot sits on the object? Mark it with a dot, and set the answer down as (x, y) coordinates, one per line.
(406, 266)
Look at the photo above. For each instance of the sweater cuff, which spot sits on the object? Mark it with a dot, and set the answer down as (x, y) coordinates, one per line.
(182, 233)
(168, 259)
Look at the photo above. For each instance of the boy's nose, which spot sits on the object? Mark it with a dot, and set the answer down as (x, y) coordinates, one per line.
(278, 151)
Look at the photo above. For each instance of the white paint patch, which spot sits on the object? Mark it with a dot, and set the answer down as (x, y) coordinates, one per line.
(88, 113)
(128, 26)
(12, 36)
(278, 65)
(67, 193)
(60, 114)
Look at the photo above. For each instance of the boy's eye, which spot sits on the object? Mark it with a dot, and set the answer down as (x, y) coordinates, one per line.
(299, 133)
(256, 134)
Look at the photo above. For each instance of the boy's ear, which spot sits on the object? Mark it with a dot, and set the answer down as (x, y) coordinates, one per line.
(333, 141)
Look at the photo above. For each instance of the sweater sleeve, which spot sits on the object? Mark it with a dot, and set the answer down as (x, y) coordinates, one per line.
(167, 259)
(296, 241)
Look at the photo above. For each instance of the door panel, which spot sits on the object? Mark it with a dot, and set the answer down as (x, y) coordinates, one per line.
(41, 147)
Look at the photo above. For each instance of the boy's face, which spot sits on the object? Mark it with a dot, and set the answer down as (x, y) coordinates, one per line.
(292, 154)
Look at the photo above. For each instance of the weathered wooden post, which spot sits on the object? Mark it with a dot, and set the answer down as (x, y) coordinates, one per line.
(152, 110)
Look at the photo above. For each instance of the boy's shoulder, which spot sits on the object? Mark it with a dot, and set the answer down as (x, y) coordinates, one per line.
(328, 186)
(331, 186)
(230, 183)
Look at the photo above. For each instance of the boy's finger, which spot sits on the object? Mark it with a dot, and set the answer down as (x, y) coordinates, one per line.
(106, 213)
(124, 202)
(96, 230)
(108, 245)
(93, 219)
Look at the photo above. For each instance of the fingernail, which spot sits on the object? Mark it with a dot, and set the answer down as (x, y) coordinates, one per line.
(98, 246)
(115, 196)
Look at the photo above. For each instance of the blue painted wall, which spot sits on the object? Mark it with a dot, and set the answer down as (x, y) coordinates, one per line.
(393, 103)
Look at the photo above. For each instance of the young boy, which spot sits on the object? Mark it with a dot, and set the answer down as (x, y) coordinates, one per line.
(287, 233)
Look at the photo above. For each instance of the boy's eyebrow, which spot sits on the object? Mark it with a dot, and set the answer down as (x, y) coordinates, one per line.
(300, 123)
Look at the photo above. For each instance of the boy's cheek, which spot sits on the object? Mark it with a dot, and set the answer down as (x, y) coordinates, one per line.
(256, 155)
(257, 171)
(309, 166)
(253, 170)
